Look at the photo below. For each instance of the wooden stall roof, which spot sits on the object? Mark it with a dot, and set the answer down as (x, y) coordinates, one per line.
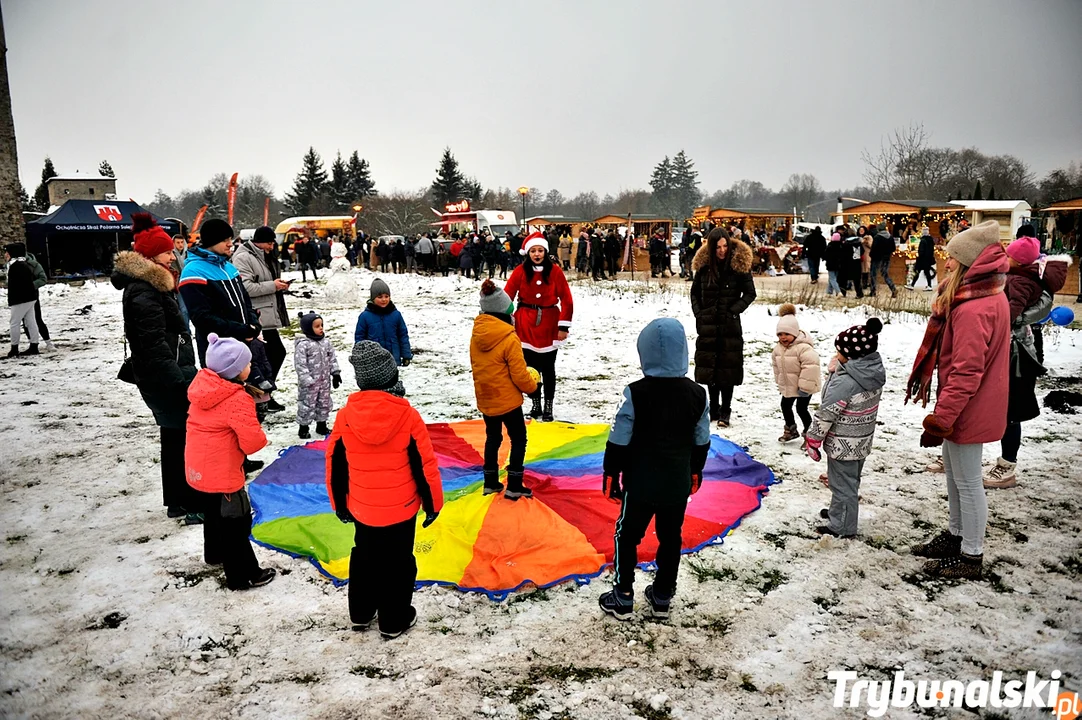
(554, 220)
(901, 207)
(622, 219)
(1064, 205)
(741, 213)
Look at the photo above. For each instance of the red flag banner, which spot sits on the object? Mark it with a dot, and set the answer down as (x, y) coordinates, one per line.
(266, 210)
(198, 220)
(232, 196)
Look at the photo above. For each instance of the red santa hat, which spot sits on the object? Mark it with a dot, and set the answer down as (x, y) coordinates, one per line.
(534, 240)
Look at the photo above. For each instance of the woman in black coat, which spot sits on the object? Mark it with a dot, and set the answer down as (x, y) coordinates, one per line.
(722, 289)
(162, 363)
(925, 261)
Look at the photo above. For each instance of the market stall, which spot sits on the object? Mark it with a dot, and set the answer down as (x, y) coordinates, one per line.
(1063, 222)
(643, 226)
(900, 215)
(1010, 214)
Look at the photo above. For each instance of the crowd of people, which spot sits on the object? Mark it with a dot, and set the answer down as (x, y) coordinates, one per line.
(382, 470)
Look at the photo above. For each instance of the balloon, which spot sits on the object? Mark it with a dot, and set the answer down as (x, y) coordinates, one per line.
(537, 376)
(1062, 315)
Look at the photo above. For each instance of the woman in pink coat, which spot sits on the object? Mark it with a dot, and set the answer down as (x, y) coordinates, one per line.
(967, 346)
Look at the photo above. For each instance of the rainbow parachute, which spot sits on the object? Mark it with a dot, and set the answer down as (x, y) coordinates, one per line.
(490, 544)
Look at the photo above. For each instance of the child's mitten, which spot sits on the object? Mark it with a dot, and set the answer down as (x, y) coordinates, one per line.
(812, 448)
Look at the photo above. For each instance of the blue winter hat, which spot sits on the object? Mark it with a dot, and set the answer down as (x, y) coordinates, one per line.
(227, 357)
(307, 321)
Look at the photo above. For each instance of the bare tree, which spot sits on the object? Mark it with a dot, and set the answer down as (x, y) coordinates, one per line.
(801, 190)
(11, 219)
(554, 202)
(399, 213)
(886, 169)
(586, 205)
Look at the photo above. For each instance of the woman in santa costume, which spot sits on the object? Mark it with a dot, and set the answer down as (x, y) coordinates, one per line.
(543, 315)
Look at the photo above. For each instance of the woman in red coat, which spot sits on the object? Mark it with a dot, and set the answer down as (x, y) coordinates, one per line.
(543, 316)
(967, 343)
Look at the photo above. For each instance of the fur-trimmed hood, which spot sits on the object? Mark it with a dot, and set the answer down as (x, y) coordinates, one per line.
(133, 266)
(740, 256)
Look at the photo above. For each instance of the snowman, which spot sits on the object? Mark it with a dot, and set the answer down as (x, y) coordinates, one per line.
(341, 288)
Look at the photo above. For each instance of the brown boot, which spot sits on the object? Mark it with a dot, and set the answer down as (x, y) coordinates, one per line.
(789, 433)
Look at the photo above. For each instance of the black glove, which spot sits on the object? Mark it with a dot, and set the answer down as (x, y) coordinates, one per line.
(430, 517)
(610, 487)
(928, 440)
(405, 362)
(253, 332)
(336, 380)
(344, 515)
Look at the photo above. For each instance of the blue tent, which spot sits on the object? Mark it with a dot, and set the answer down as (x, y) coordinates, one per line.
(81, 237)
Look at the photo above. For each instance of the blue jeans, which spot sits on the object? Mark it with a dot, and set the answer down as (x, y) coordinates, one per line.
(832, 283)
(881, 268)
(813, 269)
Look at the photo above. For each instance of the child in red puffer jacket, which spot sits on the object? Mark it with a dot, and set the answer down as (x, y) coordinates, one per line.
(222, 430)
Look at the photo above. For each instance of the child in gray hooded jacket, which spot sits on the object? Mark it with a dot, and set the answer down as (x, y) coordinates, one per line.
(317, 372)
(844, 425)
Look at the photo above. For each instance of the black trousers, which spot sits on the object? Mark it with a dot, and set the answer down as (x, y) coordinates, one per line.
(725, 405)
(801, 408)
(631, 526)
(544, 363)
(276, 351)
(382, 571)
(225, 541)
(515, 422)
(308, 266)
(176, 492)
(43, 329)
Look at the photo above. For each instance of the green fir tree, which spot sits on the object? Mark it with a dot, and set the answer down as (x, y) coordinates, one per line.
(309, 183)
(41, 195)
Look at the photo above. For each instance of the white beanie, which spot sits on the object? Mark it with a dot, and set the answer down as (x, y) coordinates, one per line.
(534, 240)
(787, 323)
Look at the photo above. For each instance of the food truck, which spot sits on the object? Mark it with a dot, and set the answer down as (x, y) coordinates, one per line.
(460, 217)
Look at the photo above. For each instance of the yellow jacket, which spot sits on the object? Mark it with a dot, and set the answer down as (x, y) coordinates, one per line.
(499, 371)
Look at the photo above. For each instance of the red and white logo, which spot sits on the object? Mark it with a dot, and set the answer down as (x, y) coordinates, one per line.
(109, 213)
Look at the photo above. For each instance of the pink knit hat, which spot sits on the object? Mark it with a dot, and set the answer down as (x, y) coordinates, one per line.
(1024, 250)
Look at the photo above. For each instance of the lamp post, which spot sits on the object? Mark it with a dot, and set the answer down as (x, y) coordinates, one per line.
(524, 191)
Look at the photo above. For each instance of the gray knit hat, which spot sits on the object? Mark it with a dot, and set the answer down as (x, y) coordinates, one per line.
(966, 246)
(375, 368)
(378, 288)
(493, 299)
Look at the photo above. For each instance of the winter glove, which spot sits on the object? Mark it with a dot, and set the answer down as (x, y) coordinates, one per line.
(406, 362)
(610, 487)
(336, 380)
(430, 517)
(252, 332)
(927, 440)
(345, 515)
(812, 448)
(934, 426)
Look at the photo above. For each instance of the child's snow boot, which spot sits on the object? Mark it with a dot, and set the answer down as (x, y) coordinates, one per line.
(322, 429)
(789, 433)
(659, 606)
(617, 604)
(1002, 476)
(535, 409)
(492, 482)
(32, 350)
(546, 416)
(515, 489)
(943, 545)
(303, 434)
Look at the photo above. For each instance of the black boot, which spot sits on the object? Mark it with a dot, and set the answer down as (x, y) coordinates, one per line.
(250, 466)
(322, 429)
(275, 406)
(515, 489)
(535, 409)
(492, 482)
(546, 416)
(303, 434)
(33, 350)
(15, 353)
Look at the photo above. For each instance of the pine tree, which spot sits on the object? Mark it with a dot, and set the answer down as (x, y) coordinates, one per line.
(992, 193)
(339, 187)
(472, 190)
(661, 182)
(211, 200)
(41, 195)
(449, 186)
(106, 170)
(309, 182)
(685, 186)
(360, 178)
(25, 203)
(977, 192)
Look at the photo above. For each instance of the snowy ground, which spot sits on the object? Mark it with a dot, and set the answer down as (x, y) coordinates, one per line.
(758, 623)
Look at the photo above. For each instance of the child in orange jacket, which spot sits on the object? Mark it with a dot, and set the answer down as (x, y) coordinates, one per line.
(223, 429)
(500, 377)
(381, 470)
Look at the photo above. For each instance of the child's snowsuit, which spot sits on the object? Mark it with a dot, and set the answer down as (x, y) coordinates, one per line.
(655, 454)
(316, 362)
(845, 424)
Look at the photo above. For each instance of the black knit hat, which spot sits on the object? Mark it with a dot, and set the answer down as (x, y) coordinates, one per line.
(859, 340)
(214, 231)
(263, 235)
(16, 249)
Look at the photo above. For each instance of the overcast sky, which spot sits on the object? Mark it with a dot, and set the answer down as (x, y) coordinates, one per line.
(571, 94)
